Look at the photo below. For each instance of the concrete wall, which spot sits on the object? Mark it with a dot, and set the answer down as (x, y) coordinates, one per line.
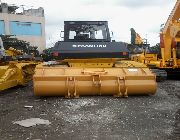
(35, 40)
(34, 12)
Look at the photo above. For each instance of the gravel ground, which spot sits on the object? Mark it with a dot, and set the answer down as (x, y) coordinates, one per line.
(92, 118)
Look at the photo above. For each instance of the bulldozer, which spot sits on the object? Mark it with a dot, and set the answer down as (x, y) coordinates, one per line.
(14, 68)
(89, 62)
(168, 63)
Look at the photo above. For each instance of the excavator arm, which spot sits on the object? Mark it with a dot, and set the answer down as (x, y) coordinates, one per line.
(169, 36)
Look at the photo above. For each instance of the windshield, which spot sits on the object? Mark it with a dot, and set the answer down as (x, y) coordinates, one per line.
(87, 32)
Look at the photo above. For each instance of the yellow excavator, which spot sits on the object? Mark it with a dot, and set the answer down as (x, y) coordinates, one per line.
(90, 63)
(169, 60)
(14, 68)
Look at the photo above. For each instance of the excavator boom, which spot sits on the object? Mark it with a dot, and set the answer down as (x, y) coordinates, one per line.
(170, 37)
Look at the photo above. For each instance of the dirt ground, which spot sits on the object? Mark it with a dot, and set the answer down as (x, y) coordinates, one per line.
(92, 118)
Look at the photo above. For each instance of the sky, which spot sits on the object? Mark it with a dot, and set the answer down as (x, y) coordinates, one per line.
(145, 16)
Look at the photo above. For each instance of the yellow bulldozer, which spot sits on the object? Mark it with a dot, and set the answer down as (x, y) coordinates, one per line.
(90, 63)
(169, 60)
(14, 68)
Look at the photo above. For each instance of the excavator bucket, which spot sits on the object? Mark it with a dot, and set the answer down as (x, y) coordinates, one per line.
(73, 82)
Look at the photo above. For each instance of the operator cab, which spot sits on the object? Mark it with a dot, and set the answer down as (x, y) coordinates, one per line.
(86, 31)
(88, 39)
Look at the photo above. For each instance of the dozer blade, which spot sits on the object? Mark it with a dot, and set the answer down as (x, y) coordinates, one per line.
(73, 82)
(16, 73)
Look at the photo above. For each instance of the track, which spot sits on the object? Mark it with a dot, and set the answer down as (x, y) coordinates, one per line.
(136, 117)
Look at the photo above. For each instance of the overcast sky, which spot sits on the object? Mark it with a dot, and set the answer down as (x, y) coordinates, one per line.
(145, 16)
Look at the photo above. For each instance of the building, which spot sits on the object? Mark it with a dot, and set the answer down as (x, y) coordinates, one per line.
(28, 25)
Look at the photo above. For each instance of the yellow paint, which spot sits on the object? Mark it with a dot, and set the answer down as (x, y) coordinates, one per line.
(72, 82)
(16, 73)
